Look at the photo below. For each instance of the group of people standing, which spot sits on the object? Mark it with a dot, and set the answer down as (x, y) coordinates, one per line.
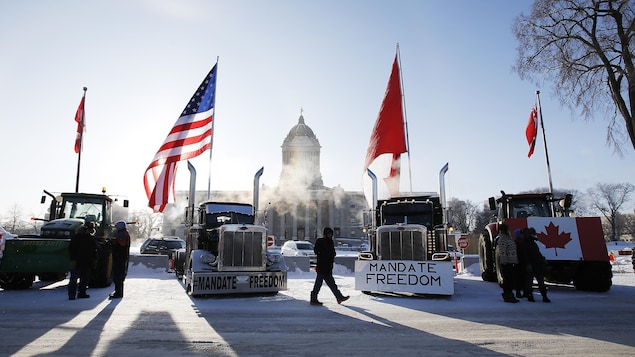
(82, 251)
(520, 261)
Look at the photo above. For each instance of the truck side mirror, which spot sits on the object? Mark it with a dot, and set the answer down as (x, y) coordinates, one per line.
(126, 203)
(568, 198)
(43, 199)
(492, 204)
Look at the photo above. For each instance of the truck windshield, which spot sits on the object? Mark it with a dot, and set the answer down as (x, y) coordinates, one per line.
(85, 208)
(529, 208)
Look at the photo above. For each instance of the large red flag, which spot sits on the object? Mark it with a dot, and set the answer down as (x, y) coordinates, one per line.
(388, 139)
(532, 130)
(190, 136)
(81, 123)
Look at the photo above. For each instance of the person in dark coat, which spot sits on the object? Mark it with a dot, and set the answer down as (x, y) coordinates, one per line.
(120, 253)
(538, 266)
(523, 269)
(82, 251)
(325, 250)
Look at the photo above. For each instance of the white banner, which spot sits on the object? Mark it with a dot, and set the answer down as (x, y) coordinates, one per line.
(407, 276)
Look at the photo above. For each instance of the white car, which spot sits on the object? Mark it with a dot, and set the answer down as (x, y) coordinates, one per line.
(294, 248)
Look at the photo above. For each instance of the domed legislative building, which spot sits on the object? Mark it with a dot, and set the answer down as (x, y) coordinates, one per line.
(300, 206)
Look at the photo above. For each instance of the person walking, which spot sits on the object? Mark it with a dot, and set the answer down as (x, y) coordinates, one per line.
(538, 265)
(325, 250)
(507, 261)
(82, 251)
(120, 253)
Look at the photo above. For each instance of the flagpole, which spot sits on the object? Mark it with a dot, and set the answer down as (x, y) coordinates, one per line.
(405, 117)
(81, 138)
(544, 138)
(211, 144)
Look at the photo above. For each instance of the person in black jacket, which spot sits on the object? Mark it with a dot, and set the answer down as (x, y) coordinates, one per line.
(538, 265)
(523, 269)
(325, 251)
(120, 253)
(82, 251)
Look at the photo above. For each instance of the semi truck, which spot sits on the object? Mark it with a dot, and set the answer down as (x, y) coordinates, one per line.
(226, 250)
(46, 256)
(408, 245)
(574, 247)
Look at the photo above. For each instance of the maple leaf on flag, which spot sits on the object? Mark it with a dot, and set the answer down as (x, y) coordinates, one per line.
(553, 239)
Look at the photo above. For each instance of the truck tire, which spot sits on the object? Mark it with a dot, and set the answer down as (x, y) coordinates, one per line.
(16, 281)
(594, 276)
(485, 258)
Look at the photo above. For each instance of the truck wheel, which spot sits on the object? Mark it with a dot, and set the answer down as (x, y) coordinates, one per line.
(16, 281)
(594, 276)
(485, 254)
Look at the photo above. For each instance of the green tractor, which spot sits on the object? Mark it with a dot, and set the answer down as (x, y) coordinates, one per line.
(46, 255)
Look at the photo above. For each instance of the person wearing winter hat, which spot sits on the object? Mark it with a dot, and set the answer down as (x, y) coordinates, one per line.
(82, 251)
(325, 250)
(538, 265)
(523, 267)
(507, 261)
(120, 253)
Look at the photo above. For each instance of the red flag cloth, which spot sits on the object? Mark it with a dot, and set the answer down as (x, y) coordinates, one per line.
(532, 130)
(388, 137)
(79, 118)
(190, 136)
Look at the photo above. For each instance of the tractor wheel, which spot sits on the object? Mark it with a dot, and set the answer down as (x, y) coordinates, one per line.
(52, 276)
(16, 281)
(594, 276)
(485, 258)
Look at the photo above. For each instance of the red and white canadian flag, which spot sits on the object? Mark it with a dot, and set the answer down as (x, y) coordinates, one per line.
(567, 238)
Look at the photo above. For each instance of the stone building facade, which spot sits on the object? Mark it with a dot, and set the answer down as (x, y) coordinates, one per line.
(300, 206)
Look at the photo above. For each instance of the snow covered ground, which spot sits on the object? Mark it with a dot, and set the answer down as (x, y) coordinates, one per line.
(157, 317)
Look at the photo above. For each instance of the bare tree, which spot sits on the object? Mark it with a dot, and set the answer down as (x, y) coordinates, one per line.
(608, 199)
(585, 48)
(464, 215)
(14, 221)
(147, 222)
(629, 225)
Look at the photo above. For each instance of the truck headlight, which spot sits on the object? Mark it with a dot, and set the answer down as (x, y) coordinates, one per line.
(208, 259)
(274, 258)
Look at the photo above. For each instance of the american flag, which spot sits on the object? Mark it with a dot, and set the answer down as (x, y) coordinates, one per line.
(81, 123)
(190, 136)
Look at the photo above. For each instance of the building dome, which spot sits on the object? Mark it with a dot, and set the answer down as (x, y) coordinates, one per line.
(301, 158)
(300, 130)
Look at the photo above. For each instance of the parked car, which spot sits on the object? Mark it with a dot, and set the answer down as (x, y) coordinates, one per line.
(294, 248)
(163, 245)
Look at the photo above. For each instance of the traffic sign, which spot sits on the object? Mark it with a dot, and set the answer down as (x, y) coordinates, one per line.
(463, 242)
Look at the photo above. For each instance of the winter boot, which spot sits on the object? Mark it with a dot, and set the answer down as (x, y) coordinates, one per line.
(544, 296)
(509, 297)
(530, 297)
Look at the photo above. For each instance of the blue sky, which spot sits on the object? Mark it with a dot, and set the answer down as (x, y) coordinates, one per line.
(143, 60)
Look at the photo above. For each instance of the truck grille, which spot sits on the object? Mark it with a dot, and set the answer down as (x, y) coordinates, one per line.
(242, 250)
(401, 245)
